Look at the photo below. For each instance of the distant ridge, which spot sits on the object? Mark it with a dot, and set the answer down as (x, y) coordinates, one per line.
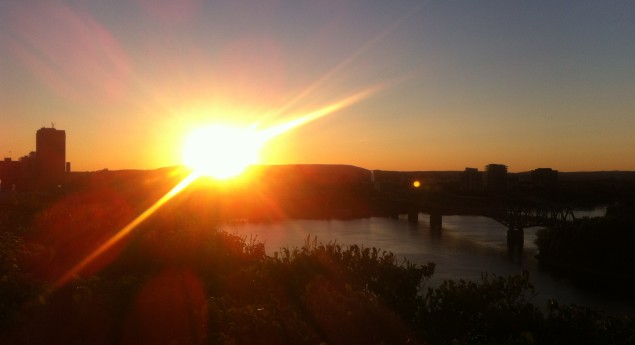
(346, 168)
(590, 175)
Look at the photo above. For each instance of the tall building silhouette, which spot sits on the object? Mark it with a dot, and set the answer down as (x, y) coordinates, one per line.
(50, 156)
(472, 180)
(496, 178)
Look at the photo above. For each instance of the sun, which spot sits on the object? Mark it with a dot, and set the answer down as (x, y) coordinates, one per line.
(222, 151)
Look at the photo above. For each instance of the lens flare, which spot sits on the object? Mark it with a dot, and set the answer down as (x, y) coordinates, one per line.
(125, 231)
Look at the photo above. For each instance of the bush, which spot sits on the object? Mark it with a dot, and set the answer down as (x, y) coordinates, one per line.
(178, 281)
(580, 325)
(495, 311)
(603, 246)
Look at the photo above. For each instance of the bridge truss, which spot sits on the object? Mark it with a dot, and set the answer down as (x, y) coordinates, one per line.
(518, 217)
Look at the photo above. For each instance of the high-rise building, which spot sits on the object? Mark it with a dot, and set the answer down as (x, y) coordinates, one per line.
(50, 156)
(472, 180)
(496, 178)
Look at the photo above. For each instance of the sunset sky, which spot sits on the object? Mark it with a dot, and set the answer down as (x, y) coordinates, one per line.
(454, 83)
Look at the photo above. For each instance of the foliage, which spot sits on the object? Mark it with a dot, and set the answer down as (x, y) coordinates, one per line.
(495, 311)
(604, 246)
(367, 269)
(582, 325)
(178, 281)
(15, 286)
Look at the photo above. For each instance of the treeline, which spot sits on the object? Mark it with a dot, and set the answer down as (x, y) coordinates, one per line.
(175, 280)
(603, 247)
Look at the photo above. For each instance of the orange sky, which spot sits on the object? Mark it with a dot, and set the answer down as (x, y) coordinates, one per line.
(455, 84)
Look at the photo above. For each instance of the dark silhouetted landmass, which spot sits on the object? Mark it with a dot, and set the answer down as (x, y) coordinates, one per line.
(601, 247)
(342, 191)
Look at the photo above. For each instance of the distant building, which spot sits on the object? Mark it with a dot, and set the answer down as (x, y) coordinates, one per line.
(496, 178)
(544, 177)
(29, 166)
(472, 180)
(10, 174)
(50, 155)
(45, 168)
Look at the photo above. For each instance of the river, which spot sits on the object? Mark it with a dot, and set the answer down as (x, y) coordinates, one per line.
(465, 248)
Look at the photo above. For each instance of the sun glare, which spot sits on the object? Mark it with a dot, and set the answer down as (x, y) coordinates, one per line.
(218, 151)
(222, 151)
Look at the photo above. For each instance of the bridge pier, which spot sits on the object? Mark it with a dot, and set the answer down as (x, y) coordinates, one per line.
(413, 216)
(436, 221)
(515, 237)
(515, 243)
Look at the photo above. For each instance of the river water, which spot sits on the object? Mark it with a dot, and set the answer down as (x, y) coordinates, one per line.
(465, 248)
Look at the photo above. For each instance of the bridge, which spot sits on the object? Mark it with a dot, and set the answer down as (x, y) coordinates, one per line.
(515, 214)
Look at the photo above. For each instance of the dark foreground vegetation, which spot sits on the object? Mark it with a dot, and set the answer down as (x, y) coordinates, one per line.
(176, 280)
(603, 247)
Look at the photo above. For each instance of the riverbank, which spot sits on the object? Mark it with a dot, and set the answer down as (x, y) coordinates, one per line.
(598, 252)
(605, 281)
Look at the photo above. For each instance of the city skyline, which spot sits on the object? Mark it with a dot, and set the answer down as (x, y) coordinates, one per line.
(51, 144)
(530, 85)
